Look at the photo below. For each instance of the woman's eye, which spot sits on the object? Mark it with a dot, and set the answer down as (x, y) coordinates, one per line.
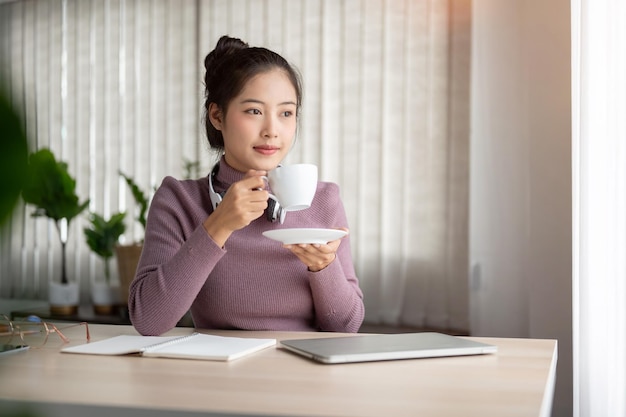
(287, 113)
(253, 111)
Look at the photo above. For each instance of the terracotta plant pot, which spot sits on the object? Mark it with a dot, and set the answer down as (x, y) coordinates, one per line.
(127, 260)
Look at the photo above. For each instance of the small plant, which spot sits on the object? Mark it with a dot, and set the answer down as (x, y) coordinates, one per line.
(191, 168)
(50, 188)
(140, 198)
(128, 255)
(102, 236)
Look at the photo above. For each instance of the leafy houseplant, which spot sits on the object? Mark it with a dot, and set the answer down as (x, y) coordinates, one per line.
(102, 236)
(191, 168)
(128, 255)
(140, 198)
(50, 188)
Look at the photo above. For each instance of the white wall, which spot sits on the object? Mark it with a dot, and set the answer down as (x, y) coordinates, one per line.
(520, 187)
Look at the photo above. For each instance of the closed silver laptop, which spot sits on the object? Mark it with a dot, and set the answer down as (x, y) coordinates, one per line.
(382, 347)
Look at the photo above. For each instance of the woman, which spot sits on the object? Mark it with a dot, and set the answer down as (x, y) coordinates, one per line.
(210, 257)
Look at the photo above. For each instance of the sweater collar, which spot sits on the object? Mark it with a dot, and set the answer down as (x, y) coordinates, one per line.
(226, 175)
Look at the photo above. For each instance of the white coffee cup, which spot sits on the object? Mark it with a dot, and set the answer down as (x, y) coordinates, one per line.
(293, 186)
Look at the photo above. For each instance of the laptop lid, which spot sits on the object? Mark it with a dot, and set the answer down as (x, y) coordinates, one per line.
(383, 347)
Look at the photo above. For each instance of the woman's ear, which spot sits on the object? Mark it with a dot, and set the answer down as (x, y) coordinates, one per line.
(216, 116)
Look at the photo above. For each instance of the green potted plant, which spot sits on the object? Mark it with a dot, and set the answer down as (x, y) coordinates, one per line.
(191, 168)
(128, 255)
(102, 236)
(50, 188)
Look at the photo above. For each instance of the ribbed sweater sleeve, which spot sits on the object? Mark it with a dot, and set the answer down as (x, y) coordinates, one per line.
(176, 259)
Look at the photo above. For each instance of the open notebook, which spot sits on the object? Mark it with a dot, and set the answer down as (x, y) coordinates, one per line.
(194, 346)
(383, 347)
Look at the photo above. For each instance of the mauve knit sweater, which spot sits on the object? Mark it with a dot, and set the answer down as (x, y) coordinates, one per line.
(252, 282)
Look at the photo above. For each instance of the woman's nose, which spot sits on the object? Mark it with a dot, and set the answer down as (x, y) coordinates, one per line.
(269, 128)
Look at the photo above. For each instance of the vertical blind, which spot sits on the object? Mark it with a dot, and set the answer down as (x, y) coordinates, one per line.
(117, 85)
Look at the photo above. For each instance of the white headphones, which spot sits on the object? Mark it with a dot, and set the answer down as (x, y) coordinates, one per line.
(273, 212)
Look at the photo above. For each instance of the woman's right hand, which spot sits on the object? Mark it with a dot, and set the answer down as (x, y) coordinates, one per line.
(244, 202)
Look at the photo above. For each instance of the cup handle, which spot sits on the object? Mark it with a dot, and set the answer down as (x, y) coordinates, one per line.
(268, 183)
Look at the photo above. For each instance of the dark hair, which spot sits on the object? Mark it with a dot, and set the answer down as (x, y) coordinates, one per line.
(228, 68)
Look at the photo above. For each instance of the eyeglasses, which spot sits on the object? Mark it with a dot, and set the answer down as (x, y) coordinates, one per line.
(33, 331)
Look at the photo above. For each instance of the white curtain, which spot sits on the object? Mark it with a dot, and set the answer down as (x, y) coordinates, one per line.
(599, 228)
(117, 84)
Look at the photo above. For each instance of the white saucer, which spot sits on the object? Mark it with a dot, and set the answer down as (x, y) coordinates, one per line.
(311, 236)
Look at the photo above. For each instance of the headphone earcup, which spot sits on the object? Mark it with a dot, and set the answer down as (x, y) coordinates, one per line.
(216, 198)
(274, 211)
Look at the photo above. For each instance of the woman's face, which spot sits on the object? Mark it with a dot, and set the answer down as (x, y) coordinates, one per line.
(260, 124)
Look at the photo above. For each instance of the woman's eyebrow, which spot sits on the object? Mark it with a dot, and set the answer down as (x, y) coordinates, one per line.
(256, 101)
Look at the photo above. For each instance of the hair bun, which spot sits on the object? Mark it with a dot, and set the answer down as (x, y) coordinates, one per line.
(226, 46)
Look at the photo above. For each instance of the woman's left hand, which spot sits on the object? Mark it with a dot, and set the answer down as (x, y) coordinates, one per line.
(316, 257)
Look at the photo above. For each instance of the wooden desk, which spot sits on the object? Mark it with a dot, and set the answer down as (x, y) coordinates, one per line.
(517, 381)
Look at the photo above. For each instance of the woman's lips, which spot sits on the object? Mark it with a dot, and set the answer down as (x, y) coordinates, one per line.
(266, 150)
